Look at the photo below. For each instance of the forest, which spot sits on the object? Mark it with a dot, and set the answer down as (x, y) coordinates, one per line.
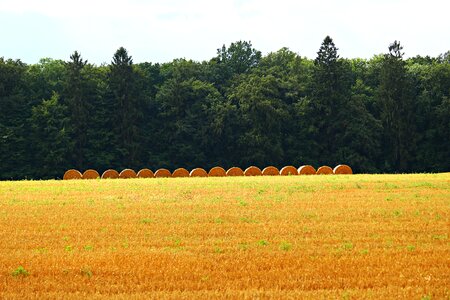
(387, 114)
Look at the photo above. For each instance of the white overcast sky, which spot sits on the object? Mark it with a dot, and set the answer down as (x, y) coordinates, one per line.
(162, 30)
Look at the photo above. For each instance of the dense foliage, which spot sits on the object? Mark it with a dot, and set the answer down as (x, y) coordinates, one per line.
(386, 114)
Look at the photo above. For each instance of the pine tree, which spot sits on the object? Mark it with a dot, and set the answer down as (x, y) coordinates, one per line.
(77, 101)
(330, 92)
(124, 90)
(395, 100)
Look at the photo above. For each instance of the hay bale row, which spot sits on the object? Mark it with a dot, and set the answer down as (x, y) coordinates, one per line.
(214, 172)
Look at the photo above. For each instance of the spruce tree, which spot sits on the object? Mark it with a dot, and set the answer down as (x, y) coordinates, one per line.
(395, 100)
(77, 101)
(330, 91)
(124, 90)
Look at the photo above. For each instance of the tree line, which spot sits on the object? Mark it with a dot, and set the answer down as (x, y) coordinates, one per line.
(240, 108)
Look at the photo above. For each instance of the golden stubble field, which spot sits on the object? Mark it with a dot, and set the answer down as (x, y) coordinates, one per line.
(326, 237)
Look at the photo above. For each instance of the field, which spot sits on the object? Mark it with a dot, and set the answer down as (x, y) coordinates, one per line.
(326, 237)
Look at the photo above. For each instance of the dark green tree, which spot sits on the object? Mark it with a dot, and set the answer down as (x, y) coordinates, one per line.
(102, 129)
(151, 80)
(361, 141)
(397, 108)
(330, 92)
(239, 58)
(77, 101)
(49, 138)
(45, 79)
(292, 76)
(15, 109)
(432, 118)
(261, 115)
(124, 91)
(192, 117)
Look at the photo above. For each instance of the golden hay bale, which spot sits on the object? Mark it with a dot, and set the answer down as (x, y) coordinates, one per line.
(306, 170)
(180, 172)
(288, 170)
(111, 174)
(90, 174)
(145, 173)
(161, 173)
(127, 173)
(342, 169)
(198, 172)
(270, 171)
(217, 172)
(72, 174)
(252, 171)
(324, 170)
(235, 171)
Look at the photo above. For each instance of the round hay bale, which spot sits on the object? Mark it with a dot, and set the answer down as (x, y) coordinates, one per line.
(127, 173)
(270, 171)
(145, 173)
(72, 174)
(90, 174)
(252, 171)
(217, 172)
(162, 173)
(288, 170)
(306, 170)
(198, 172)
(110, 174)
(324, 170)
(180, 172)
(342, 169)
(235, 171)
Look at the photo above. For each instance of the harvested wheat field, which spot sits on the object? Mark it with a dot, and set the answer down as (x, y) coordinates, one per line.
(320, 237)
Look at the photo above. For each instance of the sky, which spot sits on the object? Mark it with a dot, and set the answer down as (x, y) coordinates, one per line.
(159, 31)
